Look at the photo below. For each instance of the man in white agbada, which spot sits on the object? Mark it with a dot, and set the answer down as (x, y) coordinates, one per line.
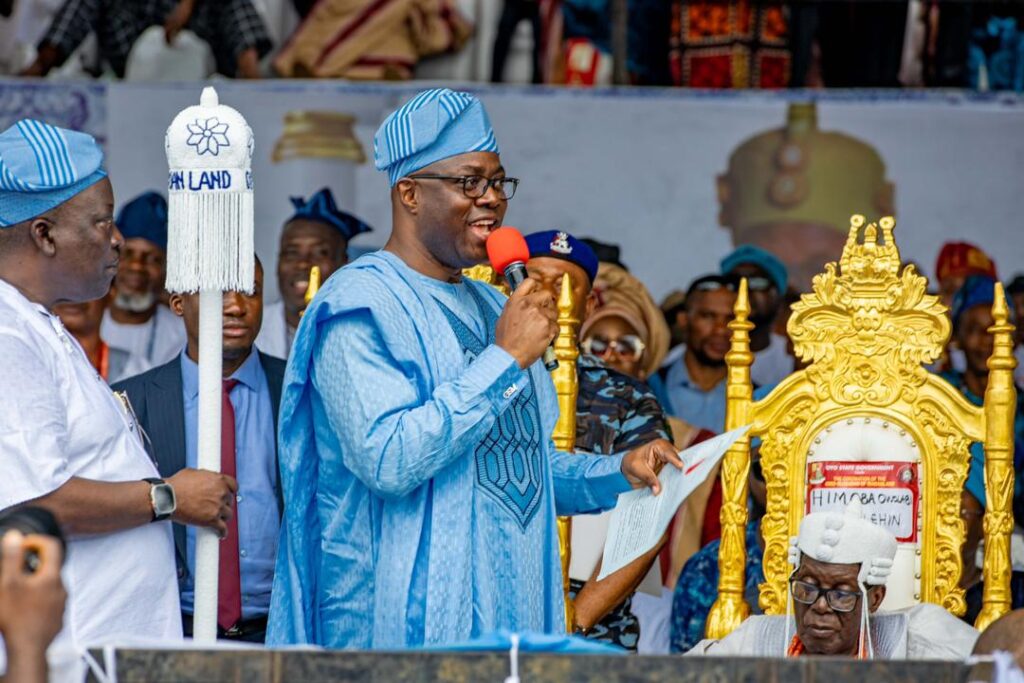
(841, 563)
(66, 442)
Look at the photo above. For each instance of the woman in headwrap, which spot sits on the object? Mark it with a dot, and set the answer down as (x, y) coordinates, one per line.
(627, 330)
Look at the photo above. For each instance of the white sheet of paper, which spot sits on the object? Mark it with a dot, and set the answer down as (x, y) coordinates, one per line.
(640, 518)
(589, 533)
(588, 536)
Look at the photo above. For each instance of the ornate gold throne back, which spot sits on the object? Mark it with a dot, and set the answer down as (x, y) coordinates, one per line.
(867, 330)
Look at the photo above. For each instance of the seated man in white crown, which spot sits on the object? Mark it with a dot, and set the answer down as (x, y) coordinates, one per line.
(841, 562)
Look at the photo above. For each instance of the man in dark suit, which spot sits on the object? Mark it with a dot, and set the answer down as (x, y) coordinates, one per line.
(165, 400)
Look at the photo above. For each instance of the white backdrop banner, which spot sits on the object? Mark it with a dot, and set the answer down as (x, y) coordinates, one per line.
(675, 177)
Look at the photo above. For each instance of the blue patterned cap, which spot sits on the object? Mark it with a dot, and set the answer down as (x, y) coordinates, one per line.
(145, 217)
(42, 166)
(562, 245)
(764, 260)
(434, 125)
(321, 207)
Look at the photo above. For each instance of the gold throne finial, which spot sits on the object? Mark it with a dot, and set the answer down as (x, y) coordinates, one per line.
(878, 319)
(730, 607)
(312, 288)
(874, 264)
(566, 383)
(314, 284)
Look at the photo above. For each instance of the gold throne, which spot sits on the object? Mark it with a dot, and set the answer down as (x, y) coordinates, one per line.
(867, 330)
(566, 381)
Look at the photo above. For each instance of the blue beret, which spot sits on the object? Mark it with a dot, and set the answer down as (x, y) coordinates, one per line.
(145, 217)
(434, 125)
(562, 245)
(764, 260)
(321, 207)
(976, 290)
(42, 166)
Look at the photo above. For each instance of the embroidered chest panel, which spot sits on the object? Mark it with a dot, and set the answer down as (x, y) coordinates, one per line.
(508, 465)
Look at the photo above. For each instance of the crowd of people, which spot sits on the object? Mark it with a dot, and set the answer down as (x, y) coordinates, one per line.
(684, 43)
(388, 477)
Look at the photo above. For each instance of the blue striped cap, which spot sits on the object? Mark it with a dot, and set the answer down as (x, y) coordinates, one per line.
(42, 166)
(434, 125)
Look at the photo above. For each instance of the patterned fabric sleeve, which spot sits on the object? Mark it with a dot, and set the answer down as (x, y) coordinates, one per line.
(644, 423)
(73, 22)
(241, 27)
(615, 412)
(694, 594)
(390, 438)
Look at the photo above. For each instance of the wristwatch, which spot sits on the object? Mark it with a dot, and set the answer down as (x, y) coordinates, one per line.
(161, 496)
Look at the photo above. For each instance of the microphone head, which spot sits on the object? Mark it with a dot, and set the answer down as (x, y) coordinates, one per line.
(506, 246)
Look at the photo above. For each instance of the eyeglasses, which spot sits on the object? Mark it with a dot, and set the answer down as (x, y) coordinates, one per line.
(476, 186)
(628, 346)
(837, 600)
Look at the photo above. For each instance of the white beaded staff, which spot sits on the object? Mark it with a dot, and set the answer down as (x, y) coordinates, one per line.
(210, 251)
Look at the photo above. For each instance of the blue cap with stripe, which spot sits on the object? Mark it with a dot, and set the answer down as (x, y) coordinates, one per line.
(322, 208)
(42, 166)
(435, 125)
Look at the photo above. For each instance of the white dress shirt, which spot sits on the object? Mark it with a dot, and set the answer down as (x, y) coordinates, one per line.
(772, 364)
(59, 419)
(150, 344)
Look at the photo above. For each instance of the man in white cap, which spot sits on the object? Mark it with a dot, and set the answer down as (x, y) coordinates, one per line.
(420, 481)
(841, 562)
(67, 442)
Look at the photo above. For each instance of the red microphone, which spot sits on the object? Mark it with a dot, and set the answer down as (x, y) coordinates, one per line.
(508, 252)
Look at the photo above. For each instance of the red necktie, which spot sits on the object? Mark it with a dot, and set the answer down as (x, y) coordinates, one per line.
(229, 593)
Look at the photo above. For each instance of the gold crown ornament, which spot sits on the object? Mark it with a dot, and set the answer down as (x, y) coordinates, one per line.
(318, 135)
(801, 174)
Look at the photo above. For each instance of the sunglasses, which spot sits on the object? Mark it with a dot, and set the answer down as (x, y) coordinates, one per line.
(759, 284)
(754, 284)
(713, 286)
(628, 346)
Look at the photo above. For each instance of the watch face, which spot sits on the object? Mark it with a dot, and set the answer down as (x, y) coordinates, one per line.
(163, 500)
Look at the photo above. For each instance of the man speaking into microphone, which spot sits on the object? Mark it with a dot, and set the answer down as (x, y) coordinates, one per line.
(420, 481)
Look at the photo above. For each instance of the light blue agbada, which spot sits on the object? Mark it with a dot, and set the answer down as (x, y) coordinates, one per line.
(420, 482)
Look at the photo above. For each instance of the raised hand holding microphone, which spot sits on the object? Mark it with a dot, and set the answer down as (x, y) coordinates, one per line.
(529, 320)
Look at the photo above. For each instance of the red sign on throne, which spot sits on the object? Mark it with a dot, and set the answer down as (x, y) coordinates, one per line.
(887, 490)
